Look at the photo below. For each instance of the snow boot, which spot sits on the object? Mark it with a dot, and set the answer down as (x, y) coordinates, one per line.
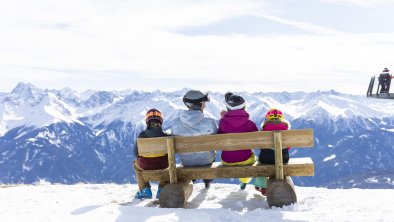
(145, 193)
(207, 183)
(263, 191)
(243, 182)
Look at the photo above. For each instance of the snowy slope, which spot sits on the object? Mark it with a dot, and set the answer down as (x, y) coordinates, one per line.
(223, 202)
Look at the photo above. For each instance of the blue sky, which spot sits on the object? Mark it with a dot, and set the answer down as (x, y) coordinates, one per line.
(218, 45)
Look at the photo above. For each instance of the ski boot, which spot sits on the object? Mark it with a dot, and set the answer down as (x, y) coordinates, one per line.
(145, 193)
(207, 183)
(263, 191)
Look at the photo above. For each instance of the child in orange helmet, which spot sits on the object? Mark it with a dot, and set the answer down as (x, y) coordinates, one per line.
(154, 121)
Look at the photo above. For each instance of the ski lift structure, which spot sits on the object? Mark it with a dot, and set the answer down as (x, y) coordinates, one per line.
(382, 85)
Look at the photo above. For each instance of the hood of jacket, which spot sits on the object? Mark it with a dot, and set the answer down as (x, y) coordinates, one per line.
(191, 117)
(271, 125)
(236, 121)
(153, 132)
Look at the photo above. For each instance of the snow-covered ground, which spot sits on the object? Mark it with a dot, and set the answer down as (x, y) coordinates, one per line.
(223, 202)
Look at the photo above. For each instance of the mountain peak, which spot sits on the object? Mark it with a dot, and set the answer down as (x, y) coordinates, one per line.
(22, 87)
(69, 93)
(27, 92)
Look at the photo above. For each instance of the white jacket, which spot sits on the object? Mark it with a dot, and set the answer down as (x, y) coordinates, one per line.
(193, 123)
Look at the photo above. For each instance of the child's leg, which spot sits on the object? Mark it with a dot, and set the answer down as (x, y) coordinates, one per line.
(261, 182)
(250, 161)
(140, 179)
(245, 180)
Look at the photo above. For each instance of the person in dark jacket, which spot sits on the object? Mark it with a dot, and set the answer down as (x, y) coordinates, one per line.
(274, 120)
(385, 80)
(154, 120)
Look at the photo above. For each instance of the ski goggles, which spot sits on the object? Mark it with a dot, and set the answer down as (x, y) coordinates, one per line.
(154, 113)
(205, 98)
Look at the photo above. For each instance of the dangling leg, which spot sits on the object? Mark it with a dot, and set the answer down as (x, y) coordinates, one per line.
(207, 183)
(244, 182)
(143, 186)
(261, 185)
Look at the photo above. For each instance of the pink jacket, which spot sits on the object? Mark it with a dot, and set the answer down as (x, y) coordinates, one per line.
(236, 121)
(272, 125)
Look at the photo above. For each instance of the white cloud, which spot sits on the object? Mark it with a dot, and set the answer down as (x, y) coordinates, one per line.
(135, 44)
(363, 3)
(303, 25)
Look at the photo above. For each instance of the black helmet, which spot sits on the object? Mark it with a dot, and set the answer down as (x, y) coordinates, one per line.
(153, 114)
(234, 102)
(194, 99)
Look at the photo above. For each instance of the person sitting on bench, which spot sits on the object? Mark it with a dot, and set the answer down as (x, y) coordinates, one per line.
(274, 120)
(154, 120)
(236, 120)
(192, 122)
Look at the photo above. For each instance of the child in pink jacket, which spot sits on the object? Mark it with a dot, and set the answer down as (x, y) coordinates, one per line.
(274, 120)
(236, 120)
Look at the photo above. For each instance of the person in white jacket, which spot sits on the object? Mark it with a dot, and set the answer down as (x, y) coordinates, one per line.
(192, 122)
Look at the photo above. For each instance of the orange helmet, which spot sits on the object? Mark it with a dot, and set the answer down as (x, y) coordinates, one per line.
(153, 114)
(274, 114)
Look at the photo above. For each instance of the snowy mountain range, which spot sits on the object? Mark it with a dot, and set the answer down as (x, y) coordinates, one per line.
(67, 137)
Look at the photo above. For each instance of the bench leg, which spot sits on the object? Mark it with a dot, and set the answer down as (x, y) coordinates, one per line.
(175, 195)
(281, 192)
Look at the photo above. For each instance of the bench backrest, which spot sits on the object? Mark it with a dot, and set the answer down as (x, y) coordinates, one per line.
(234, 141)
(231, 141)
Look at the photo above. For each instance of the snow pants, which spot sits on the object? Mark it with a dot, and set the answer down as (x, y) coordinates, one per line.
(142, 183)
(267, 156)
(251, 160)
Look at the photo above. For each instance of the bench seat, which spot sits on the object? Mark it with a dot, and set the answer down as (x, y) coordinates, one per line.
(296, 167)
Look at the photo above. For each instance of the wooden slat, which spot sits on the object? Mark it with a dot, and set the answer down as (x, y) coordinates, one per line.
(152, 146)
(233, 141)
(295, 167)
(278, 156)
(171, 160)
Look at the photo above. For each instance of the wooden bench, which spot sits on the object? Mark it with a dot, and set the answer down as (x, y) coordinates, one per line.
(280, 189)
